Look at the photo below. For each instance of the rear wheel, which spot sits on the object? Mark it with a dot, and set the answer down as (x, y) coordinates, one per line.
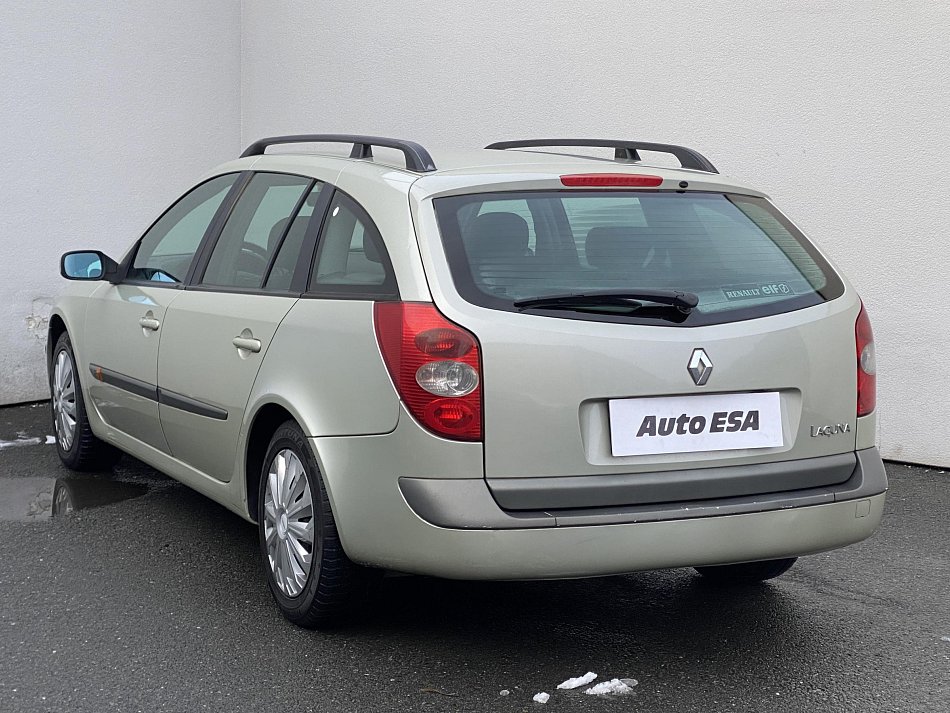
(78, 448)
(747, 572)
(313, 581)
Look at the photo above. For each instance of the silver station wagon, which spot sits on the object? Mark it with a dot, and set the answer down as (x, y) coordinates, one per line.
(504, 363)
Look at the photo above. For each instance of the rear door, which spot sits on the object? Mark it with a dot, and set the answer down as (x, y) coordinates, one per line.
(622, 387)
(218, 331)
(124, 322)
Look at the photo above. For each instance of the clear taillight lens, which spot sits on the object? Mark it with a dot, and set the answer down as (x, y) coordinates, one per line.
(447, 378)
(866, 363)
(435, 367)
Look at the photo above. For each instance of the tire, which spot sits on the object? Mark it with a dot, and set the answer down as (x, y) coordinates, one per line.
(324, 589)
(747, 572)
(77, 446)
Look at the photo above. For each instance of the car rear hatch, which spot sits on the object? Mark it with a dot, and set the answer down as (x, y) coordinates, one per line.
(602, 386)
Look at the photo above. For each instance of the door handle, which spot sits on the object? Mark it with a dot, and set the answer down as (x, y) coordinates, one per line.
(150, 323)
(248, 343)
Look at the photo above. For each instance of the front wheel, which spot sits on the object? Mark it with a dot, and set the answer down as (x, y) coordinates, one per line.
(747, 572)
(77, 446)
(313, 581)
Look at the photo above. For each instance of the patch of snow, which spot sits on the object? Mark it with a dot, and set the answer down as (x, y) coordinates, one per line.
(504, 692)
(577, 682)
(613, 687)
(541, 697)
(20, 442)
(50, 440)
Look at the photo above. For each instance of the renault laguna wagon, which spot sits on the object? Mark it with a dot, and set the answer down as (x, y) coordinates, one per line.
(506, 363)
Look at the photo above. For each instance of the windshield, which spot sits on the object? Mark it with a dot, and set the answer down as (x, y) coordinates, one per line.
(737, 254)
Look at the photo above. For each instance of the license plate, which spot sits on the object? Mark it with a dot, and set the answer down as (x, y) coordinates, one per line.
(687, 424)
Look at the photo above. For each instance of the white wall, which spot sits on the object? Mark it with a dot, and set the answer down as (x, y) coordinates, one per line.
(840, 109)
(108, 111)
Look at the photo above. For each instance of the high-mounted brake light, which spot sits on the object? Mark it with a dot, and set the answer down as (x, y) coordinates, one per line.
(435, 367)
(599, 180)
(867, 367)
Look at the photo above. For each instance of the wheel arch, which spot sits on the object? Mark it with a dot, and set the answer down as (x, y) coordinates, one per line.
(57, 325)
(267, 414)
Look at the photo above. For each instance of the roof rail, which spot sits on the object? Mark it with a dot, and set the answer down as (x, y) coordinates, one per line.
(688, 158)
(417, 158)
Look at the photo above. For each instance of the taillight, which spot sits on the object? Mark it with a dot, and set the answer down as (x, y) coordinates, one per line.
(435, 366)
(611, 179)
(867, 368)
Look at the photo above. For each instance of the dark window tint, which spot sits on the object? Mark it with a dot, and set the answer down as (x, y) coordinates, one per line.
(254, 230)
(351, 256)
(167, 249)
(736, 253)
(288, 255)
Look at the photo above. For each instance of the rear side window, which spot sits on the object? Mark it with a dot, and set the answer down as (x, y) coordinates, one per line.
(737, 254)
(288, 254)
(254, 230)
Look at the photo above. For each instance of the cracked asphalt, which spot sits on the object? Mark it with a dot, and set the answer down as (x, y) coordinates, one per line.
(155, 602)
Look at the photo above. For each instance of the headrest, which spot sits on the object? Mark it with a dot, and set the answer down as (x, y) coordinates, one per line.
(275, 234)
(497, 235)
(610, 246)
(370, 250)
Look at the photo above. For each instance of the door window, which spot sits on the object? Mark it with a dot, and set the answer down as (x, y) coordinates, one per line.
(167, 249)
(255, 230)
(288, 254)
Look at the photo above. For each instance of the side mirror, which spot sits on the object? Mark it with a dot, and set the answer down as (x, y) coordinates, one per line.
(88, 265)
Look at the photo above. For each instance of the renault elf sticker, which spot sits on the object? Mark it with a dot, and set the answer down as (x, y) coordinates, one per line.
(757, 290)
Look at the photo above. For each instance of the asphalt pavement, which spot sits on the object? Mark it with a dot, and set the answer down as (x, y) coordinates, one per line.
(149, 597)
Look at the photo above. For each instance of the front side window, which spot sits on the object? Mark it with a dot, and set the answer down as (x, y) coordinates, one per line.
(737, 254)
(167, 249)
(254, 230)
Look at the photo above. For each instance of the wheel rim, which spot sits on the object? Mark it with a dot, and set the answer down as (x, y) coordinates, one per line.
(64, 400)
(288, 522)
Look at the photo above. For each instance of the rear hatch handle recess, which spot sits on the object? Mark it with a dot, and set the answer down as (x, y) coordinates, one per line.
(633, 299)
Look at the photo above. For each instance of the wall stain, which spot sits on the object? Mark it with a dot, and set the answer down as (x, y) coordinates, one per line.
(37, 322)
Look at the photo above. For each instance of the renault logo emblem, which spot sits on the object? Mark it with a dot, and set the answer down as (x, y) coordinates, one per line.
(700, 367)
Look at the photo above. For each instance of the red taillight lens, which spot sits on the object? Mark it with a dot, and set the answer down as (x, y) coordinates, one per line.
(429, 357)
(611, 179)
(867, 367)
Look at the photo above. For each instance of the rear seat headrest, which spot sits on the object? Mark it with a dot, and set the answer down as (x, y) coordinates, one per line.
(493, 235)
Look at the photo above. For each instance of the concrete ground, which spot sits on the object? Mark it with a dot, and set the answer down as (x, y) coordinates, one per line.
(155, 602)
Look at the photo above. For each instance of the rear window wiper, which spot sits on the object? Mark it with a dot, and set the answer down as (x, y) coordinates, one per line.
(633, 299)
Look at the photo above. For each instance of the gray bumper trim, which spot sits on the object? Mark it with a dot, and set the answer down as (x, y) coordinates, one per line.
(670, 486)
(468, 504)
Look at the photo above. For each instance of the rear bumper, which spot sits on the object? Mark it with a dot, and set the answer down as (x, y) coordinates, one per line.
(516, 503)
(454, 528)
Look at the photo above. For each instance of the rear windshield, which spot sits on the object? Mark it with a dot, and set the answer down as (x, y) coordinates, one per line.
(737, 254)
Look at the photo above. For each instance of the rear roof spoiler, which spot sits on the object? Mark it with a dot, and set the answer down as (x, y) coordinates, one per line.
(417, 158)
(626, 150)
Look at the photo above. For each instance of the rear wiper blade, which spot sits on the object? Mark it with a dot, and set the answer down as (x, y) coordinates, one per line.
(683, 301)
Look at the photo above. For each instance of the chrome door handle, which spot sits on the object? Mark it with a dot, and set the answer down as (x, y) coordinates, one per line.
(248, 343)
(149, 323)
